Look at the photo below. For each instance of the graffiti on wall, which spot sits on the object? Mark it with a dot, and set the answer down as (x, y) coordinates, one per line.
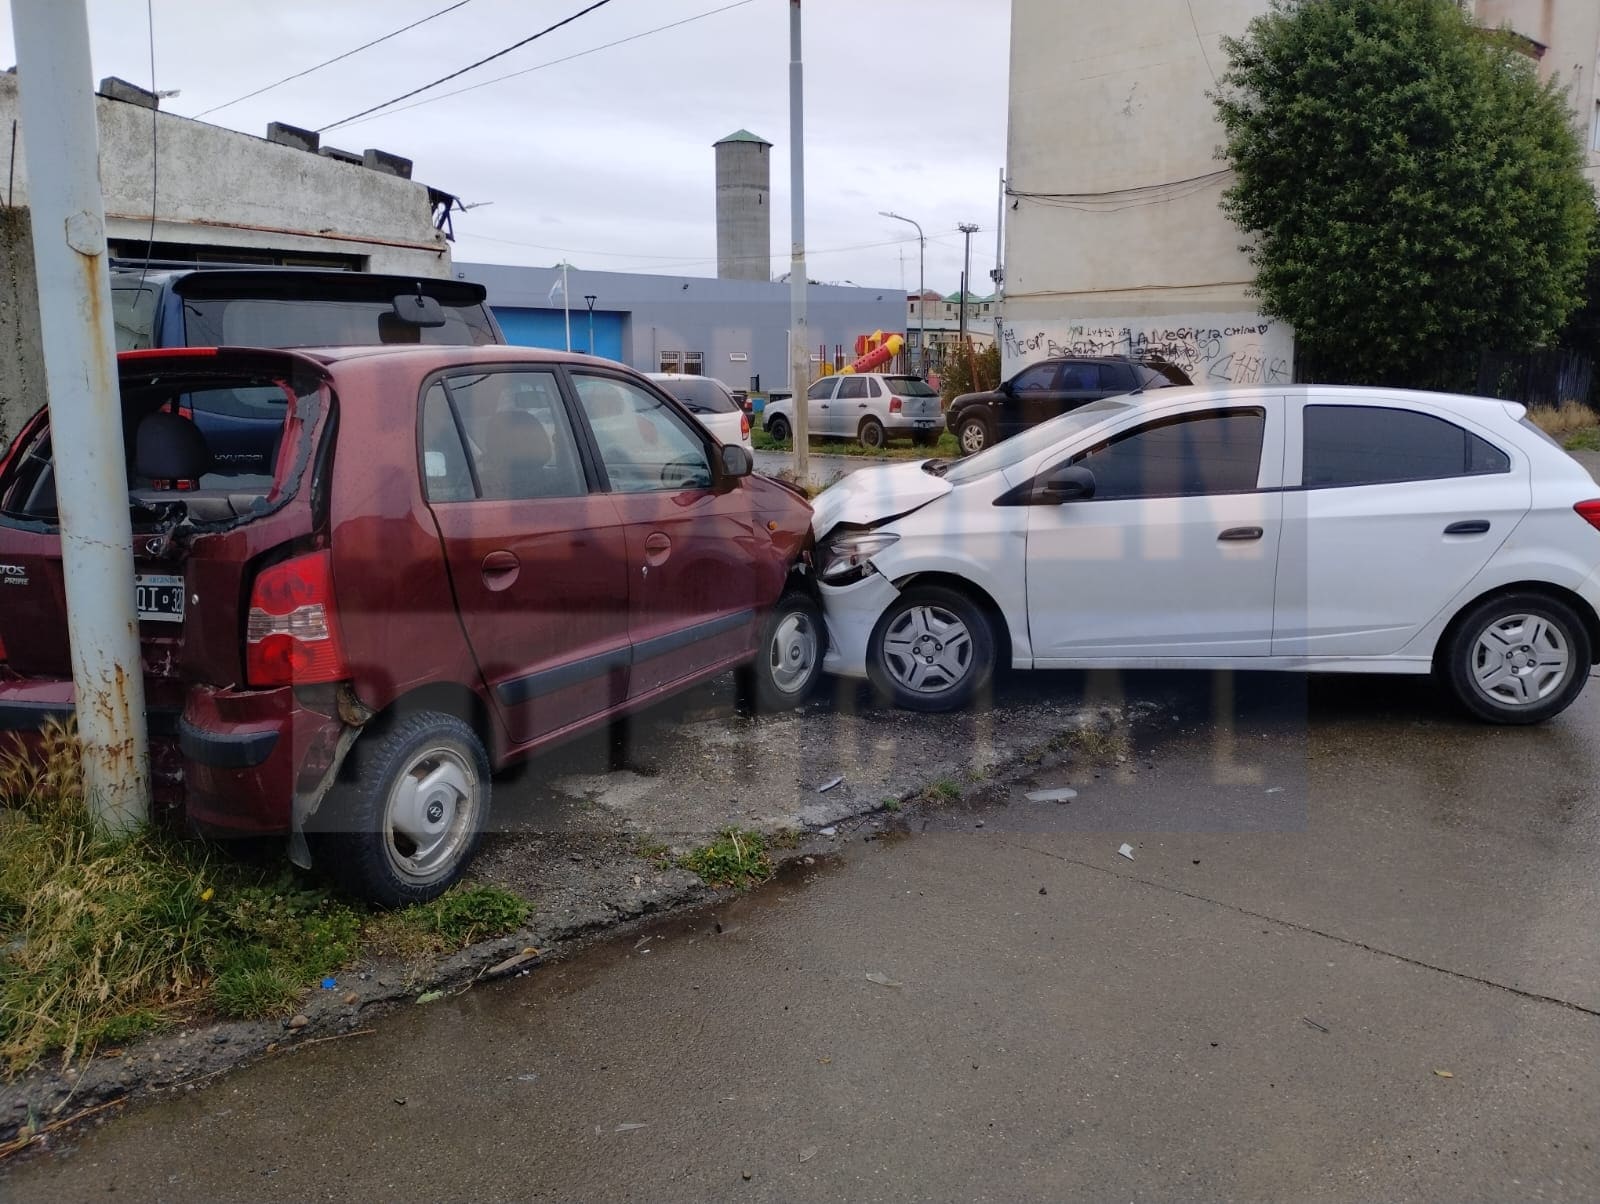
(1214, 349)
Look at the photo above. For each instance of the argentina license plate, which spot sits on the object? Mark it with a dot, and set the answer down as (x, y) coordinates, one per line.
(160, 597)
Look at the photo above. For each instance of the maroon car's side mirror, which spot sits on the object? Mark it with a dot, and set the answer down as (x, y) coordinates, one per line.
(734, 462)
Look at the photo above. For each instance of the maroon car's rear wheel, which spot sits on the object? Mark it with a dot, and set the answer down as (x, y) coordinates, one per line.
(407, 817)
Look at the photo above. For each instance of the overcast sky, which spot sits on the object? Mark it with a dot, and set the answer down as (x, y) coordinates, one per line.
(606, 160)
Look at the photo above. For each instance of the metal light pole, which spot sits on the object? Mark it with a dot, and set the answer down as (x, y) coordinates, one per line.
(566, 303)
(590, 298)
(969, 229)
(799, 335)
(922, 305)
(61, 142)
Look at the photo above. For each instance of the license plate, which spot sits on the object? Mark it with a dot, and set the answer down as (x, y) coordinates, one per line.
(160, 597)
(924, 422)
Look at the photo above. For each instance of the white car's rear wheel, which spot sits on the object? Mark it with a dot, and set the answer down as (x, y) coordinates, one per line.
(933, 650)
(1521, 658)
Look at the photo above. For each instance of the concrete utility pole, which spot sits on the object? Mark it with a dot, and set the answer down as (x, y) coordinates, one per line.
(799, 335)
(922, 287)
(969, 229)
(61, 143)
(999, 273)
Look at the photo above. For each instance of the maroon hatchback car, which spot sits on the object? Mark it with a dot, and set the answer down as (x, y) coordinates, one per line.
(369, 577)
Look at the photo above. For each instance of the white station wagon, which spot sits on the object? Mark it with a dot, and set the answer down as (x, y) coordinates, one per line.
(1304, 528)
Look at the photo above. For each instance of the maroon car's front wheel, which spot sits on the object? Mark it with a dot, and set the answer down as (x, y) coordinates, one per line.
(788, 661)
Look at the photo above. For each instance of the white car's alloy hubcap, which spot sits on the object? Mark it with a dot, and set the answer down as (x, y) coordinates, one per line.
(1520, 660)
(927, 650)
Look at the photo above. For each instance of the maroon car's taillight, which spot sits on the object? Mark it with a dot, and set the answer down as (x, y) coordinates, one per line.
(1589, 512)
(896, 405)
(292, 632)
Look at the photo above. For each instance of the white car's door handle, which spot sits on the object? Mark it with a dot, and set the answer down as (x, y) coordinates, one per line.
(1472, 526)
(1241, 534)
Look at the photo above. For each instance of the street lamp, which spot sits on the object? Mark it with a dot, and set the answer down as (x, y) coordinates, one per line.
(590, 298)
(922, 304)
(969, 229)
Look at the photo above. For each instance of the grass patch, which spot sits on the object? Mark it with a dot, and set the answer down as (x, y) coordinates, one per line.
(890, 803)
(104, 938)
(1099, 745)
(1569, 418)
(1588, 440)
(943, 791)
(656, 853)
(735, 858)
(945, 448)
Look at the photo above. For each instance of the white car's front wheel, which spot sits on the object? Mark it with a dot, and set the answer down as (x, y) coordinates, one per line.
(933, 650)
(1518, 658)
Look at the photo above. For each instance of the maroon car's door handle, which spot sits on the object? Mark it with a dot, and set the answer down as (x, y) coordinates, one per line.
(500, 569)
(657, 547)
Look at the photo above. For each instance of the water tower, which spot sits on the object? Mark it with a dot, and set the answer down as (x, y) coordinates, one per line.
(744, 207)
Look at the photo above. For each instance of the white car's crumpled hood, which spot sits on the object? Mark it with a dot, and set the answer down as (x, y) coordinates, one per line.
(875, 495)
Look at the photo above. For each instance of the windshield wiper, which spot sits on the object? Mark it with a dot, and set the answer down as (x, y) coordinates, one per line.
(936, 468)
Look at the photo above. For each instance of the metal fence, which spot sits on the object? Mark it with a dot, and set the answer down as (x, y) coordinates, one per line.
(1538, 378)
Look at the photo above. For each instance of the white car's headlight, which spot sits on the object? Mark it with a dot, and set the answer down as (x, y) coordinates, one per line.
(845, 558)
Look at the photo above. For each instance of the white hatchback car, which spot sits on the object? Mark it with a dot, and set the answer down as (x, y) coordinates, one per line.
(1304, 528)
(712, 403)
(872, 407)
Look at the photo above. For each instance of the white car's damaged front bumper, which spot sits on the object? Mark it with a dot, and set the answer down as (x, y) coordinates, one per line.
(852, 611)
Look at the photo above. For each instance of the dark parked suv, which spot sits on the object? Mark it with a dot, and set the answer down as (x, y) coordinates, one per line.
(1048, 388)
(416, 565)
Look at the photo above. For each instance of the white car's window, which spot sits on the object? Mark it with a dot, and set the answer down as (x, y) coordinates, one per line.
(853, 388)
(877, 390)
(1031, 442)
(1375, 445)
(643, 443)
(822, 390)
(1189, 456)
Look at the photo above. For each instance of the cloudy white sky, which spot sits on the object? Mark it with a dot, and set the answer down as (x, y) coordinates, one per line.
(606, 160)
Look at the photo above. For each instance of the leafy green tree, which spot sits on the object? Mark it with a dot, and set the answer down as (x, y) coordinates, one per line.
(1414, 193)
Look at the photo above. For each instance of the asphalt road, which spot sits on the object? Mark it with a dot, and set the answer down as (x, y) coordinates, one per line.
(1356, 954)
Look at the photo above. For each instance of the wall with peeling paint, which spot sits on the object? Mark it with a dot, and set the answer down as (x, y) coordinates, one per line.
(1565, 35)
(21, 360)
(220, 188)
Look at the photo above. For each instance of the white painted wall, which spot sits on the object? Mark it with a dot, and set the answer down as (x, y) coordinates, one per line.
(218, 187)
(1106, 98)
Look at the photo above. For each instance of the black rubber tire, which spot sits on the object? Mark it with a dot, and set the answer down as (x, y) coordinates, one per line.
(350, 827)
(974, 428)
(1456, 656)
(980, 667)
(759, 691)
(871, 434)
(778, 428)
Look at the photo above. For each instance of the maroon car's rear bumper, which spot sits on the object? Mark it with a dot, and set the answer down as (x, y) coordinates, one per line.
(232, 759)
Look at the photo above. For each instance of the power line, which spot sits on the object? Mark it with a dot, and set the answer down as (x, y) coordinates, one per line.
(469, 67)
(555, 62)
(336, 58)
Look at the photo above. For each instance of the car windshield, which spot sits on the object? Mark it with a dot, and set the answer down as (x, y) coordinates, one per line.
(910, 386)
(1014, 451)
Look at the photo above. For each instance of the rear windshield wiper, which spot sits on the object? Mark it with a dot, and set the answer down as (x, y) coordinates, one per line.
(936, 467)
